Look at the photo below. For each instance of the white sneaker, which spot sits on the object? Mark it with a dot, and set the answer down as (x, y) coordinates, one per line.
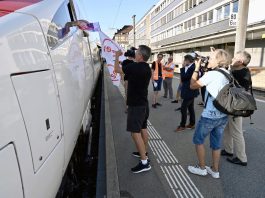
(215, 175)
(197, 170)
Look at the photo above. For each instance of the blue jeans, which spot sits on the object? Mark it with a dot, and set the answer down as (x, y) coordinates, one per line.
(159, 83)
(214, 127)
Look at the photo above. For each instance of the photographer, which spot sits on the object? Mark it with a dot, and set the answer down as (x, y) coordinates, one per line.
(187, 94)
(233, 134)
(212, 122)
(139, 75)
(130, 54)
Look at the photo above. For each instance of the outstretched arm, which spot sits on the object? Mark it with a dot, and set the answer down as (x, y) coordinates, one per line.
(117, 67)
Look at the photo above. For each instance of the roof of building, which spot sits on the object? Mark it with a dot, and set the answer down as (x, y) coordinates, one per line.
(124, 30)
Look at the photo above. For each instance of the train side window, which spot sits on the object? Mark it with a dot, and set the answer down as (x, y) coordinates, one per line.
(56, 30)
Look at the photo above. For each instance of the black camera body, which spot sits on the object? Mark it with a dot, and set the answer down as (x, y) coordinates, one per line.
(129, 53)
(204, 60)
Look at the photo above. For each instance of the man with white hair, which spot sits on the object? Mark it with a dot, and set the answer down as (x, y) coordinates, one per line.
(233, 134)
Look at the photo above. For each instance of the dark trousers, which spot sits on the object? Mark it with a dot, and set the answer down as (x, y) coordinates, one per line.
(203, 90)
(187, 104)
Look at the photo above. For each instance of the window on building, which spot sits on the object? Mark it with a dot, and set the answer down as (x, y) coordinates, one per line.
(210, 17)
(163, 20)
(174, 31)
(219, 13)
(170, 33)
(170, 16)
(193, 23)
(186, 6)
(204, 19)
(199, 21)
(235, 6)
(190, 4)
(181, 9)
(194, 3)
(189, 25)
(176, 12)
(227, 11)
(185, 25)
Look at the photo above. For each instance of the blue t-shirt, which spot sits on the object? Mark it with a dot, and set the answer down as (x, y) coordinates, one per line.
(214, 82)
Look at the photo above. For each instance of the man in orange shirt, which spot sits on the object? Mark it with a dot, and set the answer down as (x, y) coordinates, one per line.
(168, 70)
(157, 78)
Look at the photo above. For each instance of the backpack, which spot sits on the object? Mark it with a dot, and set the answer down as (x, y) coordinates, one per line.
(234, 99)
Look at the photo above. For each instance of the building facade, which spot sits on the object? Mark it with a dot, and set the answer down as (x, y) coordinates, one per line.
(142, 31)
(181, 26)
(122, 36)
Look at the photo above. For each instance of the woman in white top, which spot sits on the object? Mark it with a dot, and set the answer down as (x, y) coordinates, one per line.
(212, 121)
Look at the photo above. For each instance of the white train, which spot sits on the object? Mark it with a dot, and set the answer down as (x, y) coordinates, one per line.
(46, 84)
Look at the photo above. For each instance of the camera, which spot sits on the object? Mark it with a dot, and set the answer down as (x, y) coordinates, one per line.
(204, 60)
(129, 53)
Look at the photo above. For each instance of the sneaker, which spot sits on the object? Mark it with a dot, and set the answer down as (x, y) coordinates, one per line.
(158, 104)
(154, 106)
(224, 153)
(180, 128)
(178, 109)
(197, 170)
(137, 154)
(190, 126)
(174, 101)
(214, 174)
(141, 167)
(236, 161)
(164, 96)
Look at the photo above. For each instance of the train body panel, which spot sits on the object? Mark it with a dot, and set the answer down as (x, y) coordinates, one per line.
(46, 88)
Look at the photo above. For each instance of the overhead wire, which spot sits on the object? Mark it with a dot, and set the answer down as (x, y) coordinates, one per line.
(117, 13)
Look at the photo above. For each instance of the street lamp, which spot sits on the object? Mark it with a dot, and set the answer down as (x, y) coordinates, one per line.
(133, 17)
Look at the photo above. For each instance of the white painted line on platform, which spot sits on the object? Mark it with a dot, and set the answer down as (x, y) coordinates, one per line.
(183, 183)
(160, 152)
(165, 152)
(175, 192)
(154, 150)
(172, 180)
(176, 160)
(259, 100)
(190, 182)
(156, 132)
(150, 133)
(174, 175)
(166, 177)
(155, 135)
(170, 156)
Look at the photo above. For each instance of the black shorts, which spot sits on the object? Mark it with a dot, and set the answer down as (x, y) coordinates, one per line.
(137, 118)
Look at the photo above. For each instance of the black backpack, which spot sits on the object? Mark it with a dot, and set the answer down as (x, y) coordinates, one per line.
(234, 99)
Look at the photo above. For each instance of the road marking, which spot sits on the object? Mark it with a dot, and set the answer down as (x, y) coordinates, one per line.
(259, 100)
(177, 178)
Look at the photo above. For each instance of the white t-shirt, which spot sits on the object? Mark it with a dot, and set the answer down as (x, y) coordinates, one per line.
(214, 82)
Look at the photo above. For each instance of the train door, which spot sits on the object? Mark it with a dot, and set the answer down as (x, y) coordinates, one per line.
(67, 55)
